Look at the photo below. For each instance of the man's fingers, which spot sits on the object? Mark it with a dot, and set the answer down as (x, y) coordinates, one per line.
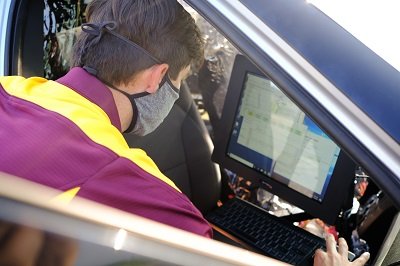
(319, 257)
(319, 253)
(343, 248)
(362, 259)
(330, 244)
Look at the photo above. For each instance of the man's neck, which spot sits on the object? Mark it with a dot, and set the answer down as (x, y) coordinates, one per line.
(124, 108)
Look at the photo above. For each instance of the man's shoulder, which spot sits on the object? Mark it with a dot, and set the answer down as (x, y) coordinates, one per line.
(140, 193)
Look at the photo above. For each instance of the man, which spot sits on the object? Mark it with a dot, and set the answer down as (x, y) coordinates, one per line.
(68, 134)
(129, 63)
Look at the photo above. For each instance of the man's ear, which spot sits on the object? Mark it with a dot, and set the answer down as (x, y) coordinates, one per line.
(157, 74)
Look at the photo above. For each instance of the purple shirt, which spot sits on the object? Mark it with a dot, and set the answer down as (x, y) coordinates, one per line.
(46, 145)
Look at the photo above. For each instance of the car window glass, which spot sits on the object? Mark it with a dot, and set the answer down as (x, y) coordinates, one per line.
(61, 21)
(208, 85)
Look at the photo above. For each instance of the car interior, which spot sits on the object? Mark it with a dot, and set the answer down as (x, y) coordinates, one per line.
(202, 119)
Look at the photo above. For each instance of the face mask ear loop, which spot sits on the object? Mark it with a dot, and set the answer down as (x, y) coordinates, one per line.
(93, 72)
(90, 70)
(134, 117)
(140, 95)
(167, 79)
(172, 85)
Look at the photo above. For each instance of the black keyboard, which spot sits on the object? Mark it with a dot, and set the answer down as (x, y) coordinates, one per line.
(266, 233)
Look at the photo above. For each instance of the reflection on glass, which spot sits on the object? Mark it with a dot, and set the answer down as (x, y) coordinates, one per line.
(43, 248)
(61, 21)
(120, 239)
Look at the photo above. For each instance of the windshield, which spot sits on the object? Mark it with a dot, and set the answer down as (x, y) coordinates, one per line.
(373, 22)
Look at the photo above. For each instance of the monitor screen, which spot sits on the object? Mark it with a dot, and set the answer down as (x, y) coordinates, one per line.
(265, 135)
(274, 137)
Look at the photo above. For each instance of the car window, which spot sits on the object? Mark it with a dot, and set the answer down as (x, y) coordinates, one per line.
(61, 21)
(208, 85)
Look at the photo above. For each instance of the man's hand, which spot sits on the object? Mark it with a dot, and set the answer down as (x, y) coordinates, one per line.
(333, 257)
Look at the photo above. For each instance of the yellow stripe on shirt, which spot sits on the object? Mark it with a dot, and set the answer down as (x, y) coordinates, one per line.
(66, 196)
(89, 117)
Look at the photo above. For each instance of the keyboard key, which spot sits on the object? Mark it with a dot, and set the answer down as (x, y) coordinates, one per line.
(267, 234)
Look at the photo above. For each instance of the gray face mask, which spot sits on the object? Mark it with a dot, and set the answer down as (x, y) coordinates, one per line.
(150, 110)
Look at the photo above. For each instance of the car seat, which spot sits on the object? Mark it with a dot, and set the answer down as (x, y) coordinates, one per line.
(181, 147)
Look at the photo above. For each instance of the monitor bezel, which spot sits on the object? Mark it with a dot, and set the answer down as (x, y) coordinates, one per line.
(339, 188)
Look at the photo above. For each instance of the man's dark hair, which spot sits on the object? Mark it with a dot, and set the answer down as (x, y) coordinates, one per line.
(162, 27)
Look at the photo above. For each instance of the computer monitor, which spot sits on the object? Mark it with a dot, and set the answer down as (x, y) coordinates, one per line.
(264, 135)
